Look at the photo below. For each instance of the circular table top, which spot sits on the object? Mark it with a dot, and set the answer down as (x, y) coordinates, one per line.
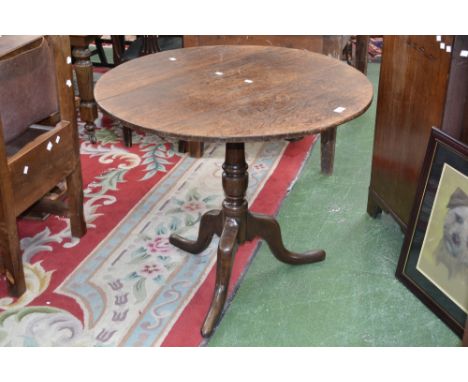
(234, 93)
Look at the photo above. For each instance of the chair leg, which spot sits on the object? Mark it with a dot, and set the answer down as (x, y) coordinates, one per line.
(75, 203)
(327, 147)
(127, 135)
(183, 146)
(12, 262)
(100, 52)
(196, 149)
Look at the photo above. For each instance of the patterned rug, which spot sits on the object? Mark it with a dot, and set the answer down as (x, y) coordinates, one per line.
(123, 284)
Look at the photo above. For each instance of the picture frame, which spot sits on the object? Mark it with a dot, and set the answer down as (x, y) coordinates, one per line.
(465, 335)
(433, 263)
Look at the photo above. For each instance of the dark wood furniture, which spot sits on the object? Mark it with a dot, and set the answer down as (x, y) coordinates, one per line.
(328, 45)
(143, 45)
(234, 94)
(361, 56)
(84, 78)
(423, 83)
(125, 50)
(36, 78)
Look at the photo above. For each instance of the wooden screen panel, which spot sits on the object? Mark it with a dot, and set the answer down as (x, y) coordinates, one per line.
(412, 91)
(328, 45)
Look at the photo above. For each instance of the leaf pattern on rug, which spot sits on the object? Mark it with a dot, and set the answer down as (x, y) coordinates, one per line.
(155, 158)
(105, 136)
(96, 194)
(194, 205)
(37, 281)
(41, 326)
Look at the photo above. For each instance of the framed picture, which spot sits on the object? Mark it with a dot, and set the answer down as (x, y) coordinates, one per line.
(434, 259)
(465, 335)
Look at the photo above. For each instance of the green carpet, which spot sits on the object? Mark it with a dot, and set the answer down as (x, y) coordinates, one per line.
(353, 297)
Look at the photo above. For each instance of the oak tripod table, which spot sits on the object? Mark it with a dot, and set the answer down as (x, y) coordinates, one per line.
(234, 94)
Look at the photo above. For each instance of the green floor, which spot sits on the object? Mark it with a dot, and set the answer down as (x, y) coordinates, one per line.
(351, 299)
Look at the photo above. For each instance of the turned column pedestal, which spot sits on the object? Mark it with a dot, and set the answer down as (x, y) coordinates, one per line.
(84, 78)
(235, 224)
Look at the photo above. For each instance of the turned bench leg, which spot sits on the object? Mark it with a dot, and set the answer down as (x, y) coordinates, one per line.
(84, 78)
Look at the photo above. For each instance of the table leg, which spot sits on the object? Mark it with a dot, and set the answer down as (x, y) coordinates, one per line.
(227, 248)
(327, 150)
(235, 224)
(84, 77)
(211, 223)
(269, 229)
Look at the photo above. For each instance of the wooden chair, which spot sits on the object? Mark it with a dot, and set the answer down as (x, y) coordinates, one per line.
(124, 51)
(39, 145)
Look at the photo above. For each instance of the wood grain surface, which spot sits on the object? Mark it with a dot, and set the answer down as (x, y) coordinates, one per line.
(234, 93)
(11, 44)
(412, 89)
(328, 45)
